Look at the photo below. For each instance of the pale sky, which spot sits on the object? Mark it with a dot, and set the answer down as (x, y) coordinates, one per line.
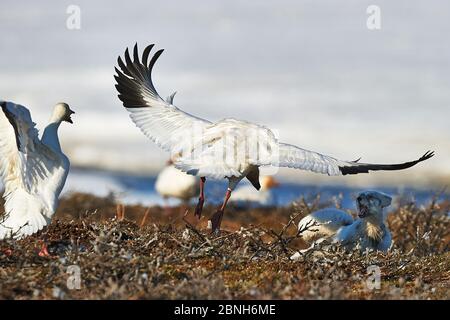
(311, 70)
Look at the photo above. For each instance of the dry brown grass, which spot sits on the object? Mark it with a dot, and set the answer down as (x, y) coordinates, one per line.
(134, 252)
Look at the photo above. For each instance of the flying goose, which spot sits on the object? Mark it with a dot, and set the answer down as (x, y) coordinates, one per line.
(218, 150)
(33, 170)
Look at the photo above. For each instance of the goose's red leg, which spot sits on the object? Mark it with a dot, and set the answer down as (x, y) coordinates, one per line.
(201, 200)
(216, 219)
(7, 252)
(44, 250)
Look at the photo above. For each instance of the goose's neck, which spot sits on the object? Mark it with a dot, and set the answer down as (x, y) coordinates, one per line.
(50, 136)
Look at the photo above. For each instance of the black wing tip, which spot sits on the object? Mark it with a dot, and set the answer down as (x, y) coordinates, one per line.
(429, 154)
(127, 53)
(154, 59)
(146, 53)
(352, 170)
(365, 168)
(125, 67)
(132, 74)
(136, 55)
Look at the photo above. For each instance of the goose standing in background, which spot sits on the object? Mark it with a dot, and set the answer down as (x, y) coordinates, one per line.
(33, 170)
(247, 196)
(225, 149)
(173, 183)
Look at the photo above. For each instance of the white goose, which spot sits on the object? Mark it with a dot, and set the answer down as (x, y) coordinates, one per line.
(173, 183)
(248, 197)
(33, 170)
(231, 149)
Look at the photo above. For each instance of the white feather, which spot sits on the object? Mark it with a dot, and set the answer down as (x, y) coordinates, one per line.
(225, 149)
(171, 182)
(33, 175)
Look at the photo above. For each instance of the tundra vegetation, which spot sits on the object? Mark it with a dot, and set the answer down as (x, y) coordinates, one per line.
(136, 252)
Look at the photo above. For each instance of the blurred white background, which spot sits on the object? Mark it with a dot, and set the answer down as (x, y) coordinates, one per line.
(309, 69)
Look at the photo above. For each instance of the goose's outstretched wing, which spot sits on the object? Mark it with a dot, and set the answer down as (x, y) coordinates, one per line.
(158, 119)
(25, 167)
(298, 158)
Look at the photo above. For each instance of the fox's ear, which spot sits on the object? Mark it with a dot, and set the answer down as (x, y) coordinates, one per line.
(385, 200)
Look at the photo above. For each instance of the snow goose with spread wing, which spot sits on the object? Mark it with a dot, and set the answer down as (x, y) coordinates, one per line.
(230, 148)
(33, 170)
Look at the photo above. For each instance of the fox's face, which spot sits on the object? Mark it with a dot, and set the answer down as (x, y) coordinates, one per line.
(371, 203)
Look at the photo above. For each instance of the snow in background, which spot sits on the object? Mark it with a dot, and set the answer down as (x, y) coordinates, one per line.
(309, 69)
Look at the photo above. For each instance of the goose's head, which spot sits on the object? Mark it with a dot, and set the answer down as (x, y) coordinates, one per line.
(371, 204)
(62, 112)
